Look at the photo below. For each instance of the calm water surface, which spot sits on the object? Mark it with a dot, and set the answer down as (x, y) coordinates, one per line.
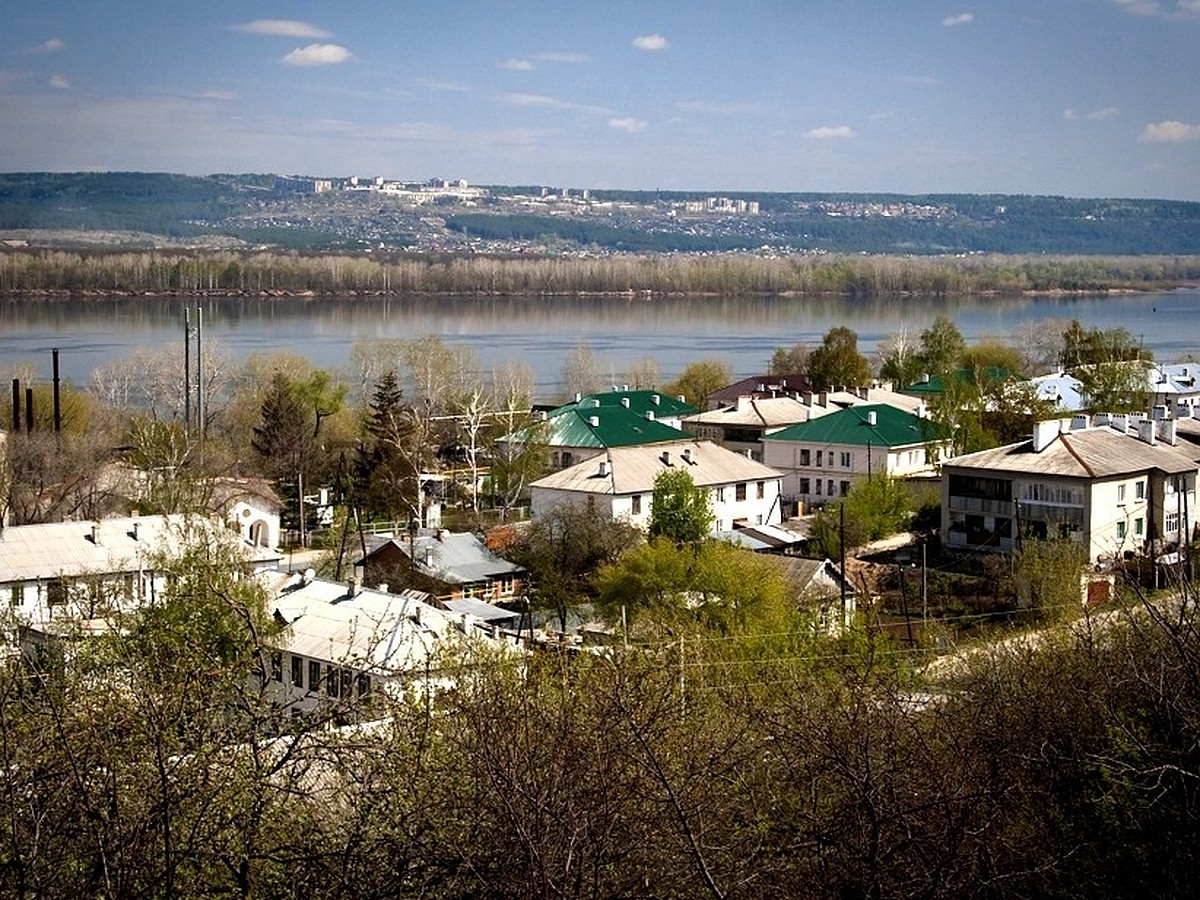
(540, 332)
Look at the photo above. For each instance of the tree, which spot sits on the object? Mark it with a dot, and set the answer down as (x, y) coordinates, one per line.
(679, 510)
(698, 380)
(644, 374)
(899, 359)
(942, 346)
(876, 507)
(789, 360)
(385, 479)
(1110, 366)
(714, 586)
(562, 550)
(581, 371)
(1047, 572)
(837, 362)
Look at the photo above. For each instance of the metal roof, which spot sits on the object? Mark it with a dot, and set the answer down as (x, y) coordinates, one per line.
(453, 557)
(892, 428)
(632, 470)
(105, 546)
(637, 401)
(1090, 453)
(600, 427)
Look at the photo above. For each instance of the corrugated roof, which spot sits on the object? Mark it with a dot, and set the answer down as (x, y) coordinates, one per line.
(1089, 453)
(455, 558)
(893, 428)
(600, 427)
(632, 470)
(103, 547)
(637, 401)
(372, 631)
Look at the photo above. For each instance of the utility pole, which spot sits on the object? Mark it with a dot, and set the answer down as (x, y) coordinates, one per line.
(187, 370)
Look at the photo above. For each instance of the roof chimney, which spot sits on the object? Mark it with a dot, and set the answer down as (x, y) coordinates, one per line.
(625, 402)
(1044, 434)
(655, 399)
(687, 455)
(594, 421)
(96, 533)
(872, 418)
(578, 396)
(650, 415)
(666, 457)
(353, 587)
(133, 532)
(1146, 432)
(603, 470)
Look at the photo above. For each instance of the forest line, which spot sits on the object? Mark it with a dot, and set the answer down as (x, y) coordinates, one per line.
(266, 273)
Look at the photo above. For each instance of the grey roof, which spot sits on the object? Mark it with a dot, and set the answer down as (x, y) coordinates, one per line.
(632, 470)
(1091, 453)
(104, 547)
(455, 558)
(370, 631)
(485, 612)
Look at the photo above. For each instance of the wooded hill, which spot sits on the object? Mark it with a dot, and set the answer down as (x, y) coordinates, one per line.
(247, 210)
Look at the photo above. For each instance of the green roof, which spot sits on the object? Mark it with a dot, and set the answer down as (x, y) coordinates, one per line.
(602, 426)
(936, 384)
(639, 401)
(892, 428)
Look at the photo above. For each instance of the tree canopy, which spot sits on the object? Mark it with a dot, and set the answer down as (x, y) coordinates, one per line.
(680, 510)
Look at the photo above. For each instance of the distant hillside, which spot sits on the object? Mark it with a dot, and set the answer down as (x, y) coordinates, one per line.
(247, 211)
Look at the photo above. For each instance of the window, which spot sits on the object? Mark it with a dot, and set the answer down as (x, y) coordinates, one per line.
(829, 485)
(739, 491)
(806, 457)
(817, 485)
(567, 459)
(805, 486)
(845, 460)
(761, 489)
(56, 592)
(1120, 531)
(277, 666)
(297, 671)
(845, 487)
(314, 675)
(1171, 525)
(1139, 490)
(1139, 526)
(364, 684)
(1120, 493)
(635, 505)
(819, 457)
(16, 594)
(333, 681)
(720, 494)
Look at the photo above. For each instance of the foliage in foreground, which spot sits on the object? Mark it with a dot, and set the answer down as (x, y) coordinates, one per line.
(706, 768)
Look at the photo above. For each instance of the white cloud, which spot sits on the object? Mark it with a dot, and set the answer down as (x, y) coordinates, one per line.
(60, 82)
(282, 28)
(717, 108)
(650, 42)
(531, 100)
(451, 87)
(51, 46)
(516, 65)
(1096, 115)
(960, 19)
(562, 56)
(520, 99)
(830, 132)
(1169, 132)
(317, 55)
(1180, 9)
(223, 96)
(627, 124)
(920, 79)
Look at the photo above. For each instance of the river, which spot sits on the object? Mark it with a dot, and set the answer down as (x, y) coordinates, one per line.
(541, 332)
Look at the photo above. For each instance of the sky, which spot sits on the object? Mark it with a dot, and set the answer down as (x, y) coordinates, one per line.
(1080, 98)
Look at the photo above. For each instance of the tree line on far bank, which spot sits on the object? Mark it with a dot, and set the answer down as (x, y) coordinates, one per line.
(277, 273)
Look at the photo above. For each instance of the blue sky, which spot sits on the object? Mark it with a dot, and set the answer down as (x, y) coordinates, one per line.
(1084, 98)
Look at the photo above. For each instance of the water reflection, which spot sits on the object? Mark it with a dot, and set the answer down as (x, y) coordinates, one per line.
(541, 331)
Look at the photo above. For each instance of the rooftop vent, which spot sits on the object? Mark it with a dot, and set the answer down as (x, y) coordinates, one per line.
(666, 457)
(687, 455)
(594, 421)
(603, 470)
(872, 418)
(625, 402)
(655, 399)
(650, 415)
